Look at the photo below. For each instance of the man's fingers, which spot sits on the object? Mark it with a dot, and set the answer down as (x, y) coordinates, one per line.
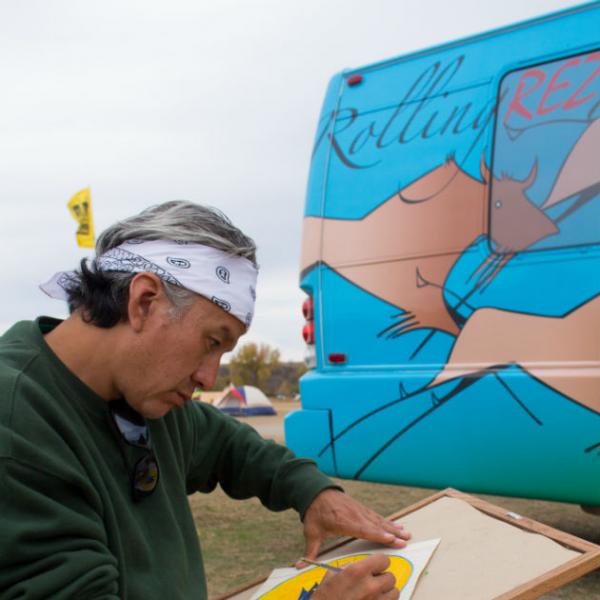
(375, 528)
(334, 513)
(397, 529)
(378, 563)
(386, 581)
(391, 595)
(362, 579)
(399, 533)
(373, 565)
(382, 534)
(311, 548)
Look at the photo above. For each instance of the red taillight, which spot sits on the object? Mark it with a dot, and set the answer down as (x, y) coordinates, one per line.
(308, 309)
(337, 358)
(355, 79)
(308, 332)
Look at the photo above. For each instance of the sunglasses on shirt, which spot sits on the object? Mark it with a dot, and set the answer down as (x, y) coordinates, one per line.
(135, 431)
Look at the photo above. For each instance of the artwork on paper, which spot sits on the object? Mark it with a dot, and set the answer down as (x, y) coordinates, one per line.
(406, 565)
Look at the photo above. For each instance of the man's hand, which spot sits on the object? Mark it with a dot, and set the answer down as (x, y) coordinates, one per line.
(362, 580)
(334, 513)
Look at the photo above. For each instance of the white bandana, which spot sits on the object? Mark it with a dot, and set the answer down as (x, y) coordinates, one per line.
(228, 281)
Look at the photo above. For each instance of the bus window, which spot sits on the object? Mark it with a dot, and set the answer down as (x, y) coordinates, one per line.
(545, 181)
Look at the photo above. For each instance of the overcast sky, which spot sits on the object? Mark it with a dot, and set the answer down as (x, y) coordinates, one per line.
(215, 102)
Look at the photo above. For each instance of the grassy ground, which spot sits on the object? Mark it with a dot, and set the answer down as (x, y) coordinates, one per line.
(242, 540)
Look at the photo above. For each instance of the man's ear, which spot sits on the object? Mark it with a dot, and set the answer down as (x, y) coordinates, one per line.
(146, 293)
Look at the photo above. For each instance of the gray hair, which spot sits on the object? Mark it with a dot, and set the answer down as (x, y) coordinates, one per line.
(103, 296)
(181, 221)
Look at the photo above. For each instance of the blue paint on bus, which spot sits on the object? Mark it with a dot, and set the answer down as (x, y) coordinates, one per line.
(452, 251)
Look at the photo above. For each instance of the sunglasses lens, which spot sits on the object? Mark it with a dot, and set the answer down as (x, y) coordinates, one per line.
(145, 476)
(134, 430)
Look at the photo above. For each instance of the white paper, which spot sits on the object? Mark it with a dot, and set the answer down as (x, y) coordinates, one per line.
(293, 584)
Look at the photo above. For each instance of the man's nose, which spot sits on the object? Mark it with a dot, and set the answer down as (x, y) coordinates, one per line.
(205, 376)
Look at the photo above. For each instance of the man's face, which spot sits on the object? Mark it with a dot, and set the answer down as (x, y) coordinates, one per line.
(170, 356)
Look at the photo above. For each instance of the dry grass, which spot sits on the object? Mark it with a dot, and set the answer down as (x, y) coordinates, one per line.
(242, 540)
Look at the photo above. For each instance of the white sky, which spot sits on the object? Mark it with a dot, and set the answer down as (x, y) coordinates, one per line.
(214, 102)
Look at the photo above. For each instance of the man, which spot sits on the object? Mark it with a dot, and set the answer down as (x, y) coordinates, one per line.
(100, 445)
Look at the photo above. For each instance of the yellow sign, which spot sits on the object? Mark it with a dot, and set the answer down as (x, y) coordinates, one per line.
(80, 206)
(300, 586)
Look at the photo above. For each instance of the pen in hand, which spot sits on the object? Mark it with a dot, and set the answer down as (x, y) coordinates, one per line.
(321, 564)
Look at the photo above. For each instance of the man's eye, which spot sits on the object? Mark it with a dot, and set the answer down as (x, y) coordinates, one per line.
(214, 342)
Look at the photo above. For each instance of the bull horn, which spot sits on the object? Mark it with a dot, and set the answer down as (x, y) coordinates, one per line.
(528, 181)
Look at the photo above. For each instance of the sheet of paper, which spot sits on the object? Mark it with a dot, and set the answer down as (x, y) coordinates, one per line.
(407, 565)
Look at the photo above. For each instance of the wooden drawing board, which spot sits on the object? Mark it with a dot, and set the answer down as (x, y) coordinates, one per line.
(486, 552)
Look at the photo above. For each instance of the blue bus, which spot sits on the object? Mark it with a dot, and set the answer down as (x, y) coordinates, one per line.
(451, 258)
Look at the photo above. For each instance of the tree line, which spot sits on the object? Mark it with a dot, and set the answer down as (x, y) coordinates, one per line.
(260, 365)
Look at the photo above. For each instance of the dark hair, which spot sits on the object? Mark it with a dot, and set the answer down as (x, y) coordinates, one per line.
(102, 296)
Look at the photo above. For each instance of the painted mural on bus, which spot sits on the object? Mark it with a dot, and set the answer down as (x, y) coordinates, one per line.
(451, 253)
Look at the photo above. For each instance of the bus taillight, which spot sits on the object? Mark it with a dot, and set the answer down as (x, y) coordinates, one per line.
(308, 331)
(308, 309)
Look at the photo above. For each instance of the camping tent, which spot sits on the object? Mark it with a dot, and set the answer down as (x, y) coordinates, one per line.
(243, 401)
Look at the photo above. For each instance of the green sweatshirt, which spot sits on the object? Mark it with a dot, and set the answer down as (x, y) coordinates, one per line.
(68, 525)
